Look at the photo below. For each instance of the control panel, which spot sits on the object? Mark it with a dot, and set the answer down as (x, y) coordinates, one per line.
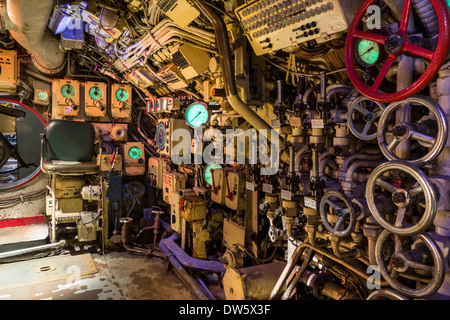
(121, 101)
(273, 25)
(66, 98)
(95, 99)
(164, 131)
(134, 156)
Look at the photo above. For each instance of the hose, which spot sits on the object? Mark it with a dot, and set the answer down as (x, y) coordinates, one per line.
(427, 15)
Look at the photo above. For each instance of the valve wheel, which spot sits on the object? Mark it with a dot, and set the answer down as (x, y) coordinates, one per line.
(386, 294)
(396, 45)
(410, 258)
(369, 114)
(343, 215)
(406, 130)
(417, 187)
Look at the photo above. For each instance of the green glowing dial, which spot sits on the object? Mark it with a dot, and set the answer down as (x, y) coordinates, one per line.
(68, 91)
(95, 93)
(208, 174)
(122, 95)
(134, 152)
(197, 114)
(43, 95)
(367, 52)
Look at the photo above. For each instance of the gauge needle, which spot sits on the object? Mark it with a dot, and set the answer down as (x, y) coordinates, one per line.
(196, 116)
(370, 49)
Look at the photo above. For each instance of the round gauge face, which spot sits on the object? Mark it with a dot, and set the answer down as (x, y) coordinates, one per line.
(367, 52)
(95, 93)
(197, 114)
(134, 152)
(122, 94)
(43, 95)
(208, 174)
(161, 136)
(68, 91)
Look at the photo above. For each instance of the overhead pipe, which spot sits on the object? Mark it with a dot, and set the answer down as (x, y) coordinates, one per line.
(223, 46)
(27, 22)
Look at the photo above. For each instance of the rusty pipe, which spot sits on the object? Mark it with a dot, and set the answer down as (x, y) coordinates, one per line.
(223, 46)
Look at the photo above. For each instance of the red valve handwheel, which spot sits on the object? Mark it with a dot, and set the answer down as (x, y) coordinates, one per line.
(403, 46)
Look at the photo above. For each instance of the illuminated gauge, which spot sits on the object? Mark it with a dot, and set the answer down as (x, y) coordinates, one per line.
(43, 95)
(122, 95)
(134, 153)
(197, 114)
(95, 93)
(367, 52)
(68, 91)
(208, 174)
(161, 136)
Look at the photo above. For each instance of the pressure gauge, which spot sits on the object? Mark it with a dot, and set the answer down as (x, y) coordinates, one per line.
(42, 95)
(161, 136)
(367, 52)
(122, 94)
(197, 114)
(134, 152)
(68, 91)
(95, 93)
(207, 175)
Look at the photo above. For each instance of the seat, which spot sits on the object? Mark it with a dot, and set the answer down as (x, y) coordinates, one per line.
(68, 148)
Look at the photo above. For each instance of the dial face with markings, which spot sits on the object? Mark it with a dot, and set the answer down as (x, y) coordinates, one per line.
(208, 174)
(161, 136)
(122, 94)
(197, 114)
(134, 153)
(68, 91)
(95, 93)
(367, 52)
(43, 95)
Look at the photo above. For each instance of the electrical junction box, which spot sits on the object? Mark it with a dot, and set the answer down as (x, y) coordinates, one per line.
(235, 190)
(172, 77)
(157, 166)
(180, 11)
(191, 61)
(134, 158)
(42, 93)
(233, 233)
(92, 15)
(65, 98)
(9, 70)
(121, 99)
(172, 181)
(95, 99)
(192, 209)
(218, 187)
(175, 201)
(106, 161)
(164, 131)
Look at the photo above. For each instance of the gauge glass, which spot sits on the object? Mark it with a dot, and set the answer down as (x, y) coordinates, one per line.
(95, 93)
(161, 136)
(368, 52)
(43, 95)
(122, 95)
(134, 152)
(197, 114)
(208, 174)
(68, 91)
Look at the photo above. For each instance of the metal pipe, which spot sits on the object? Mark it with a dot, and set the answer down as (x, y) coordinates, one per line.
(20, 252)
(186, 260)
(27, 22)
(233, 98)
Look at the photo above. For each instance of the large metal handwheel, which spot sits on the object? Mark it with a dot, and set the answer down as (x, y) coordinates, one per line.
(369, 111)
(337, 213)
(414, 187)
(395, 45)
(407, 130)
(414, 259)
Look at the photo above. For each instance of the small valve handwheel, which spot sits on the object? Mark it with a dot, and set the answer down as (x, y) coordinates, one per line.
(412, 258)
(386, 294)
(405, 129)
(337, 213)
(415, 188)
(396, 45)
(369, 112)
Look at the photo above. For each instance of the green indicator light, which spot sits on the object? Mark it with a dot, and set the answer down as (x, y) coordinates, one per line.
(68, 91)
(197, 114)
(42, 95)
(122, 95)
(134, 152)
(368, 52)
(95, 93)
(207, 174)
